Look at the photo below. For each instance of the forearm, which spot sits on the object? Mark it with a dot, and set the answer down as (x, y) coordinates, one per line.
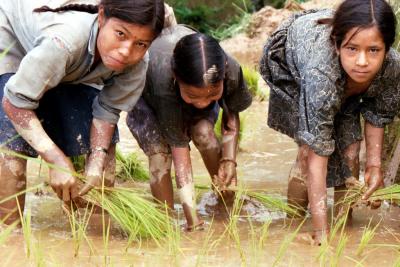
(182, 166)
(317, 171)
(27, 124)
(374, 144)
(230, 135)
(101, 133)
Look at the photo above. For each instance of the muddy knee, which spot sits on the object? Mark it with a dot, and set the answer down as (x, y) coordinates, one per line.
(203, 135)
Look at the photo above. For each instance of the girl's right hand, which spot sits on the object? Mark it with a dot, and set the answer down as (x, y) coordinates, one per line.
(62, 180)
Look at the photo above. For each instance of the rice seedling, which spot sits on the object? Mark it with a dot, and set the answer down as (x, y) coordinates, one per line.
(206, 247)
(38, 254)
(285, 244)
(78, 228)
(264, 234)
(173, 236)
(367, 236)
(26, 228)
(339, 250)
(232, 227)
(129, 168)
(252, 77)
(6, 231)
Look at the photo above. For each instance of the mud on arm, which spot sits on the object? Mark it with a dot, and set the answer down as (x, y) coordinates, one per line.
(29, 127)
(101, 133)
(230, 127)
(373, 169)
(184, 182)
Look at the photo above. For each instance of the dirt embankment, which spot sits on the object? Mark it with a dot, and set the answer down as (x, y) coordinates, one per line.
(247, 46)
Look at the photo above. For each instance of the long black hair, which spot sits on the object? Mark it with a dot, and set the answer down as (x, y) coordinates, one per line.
(142, 12)
(198, 60)
(363, 14)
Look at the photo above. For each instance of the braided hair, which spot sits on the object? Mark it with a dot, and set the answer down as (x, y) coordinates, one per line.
(142, 12)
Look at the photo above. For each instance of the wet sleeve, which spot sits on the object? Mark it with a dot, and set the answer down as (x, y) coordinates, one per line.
(381, 110)
(238, 97)
(170, 117)
(40, 70)
(121, 93)
(318, 104)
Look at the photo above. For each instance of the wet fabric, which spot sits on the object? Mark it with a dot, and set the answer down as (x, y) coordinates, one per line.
(162, 94)
(49, 48)
(307, 99)
(65, 114)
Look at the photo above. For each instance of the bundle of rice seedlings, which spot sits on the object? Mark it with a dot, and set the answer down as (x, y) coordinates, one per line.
(129, 168)
(265, 198)
(390, 193)
(274, 203)
(138, 216)
(130, 208)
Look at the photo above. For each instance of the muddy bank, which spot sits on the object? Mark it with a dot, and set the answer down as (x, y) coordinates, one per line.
(247, 46)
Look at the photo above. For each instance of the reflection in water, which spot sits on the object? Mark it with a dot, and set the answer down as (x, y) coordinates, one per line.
(263, 163)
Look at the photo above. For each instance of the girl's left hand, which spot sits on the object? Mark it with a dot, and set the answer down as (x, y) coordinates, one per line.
(227, 174)
(374, 180)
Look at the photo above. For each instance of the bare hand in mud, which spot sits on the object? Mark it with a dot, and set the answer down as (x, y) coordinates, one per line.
(373, 180)
(226, 175)
(62, 181)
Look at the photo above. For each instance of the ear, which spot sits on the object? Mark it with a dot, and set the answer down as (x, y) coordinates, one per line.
(101, 16)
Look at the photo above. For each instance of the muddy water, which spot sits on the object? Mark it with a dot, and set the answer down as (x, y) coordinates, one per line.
(264, 162)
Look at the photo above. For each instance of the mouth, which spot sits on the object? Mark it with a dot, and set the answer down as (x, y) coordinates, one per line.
(359, 72)
(116, 62)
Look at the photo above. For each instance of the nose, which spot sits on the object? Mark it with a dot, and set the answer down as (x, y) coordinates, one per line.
(123, 51)
(362, 59)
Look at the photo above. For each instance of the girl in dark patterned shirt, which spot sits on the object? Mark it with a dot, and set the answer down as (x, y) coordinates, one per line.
(323, 74)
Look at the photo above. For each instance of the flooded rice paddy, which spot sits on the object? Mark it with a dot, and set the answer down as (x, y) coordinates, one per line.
(262, 238)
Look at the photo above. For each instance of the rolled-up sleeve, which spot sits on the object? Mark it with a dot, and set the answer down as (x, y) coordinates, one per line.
(40, 70)
(319, 103)
(381, 110)
(121, 93)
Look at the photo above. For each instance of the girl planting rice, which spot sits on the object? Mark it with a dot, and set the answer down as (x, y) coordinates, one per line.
(188, 79)
(323, 73)
(57, 60)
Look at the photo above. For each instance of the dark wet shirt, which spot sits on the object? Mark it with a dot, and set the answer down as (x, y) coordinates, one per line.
(162, 92)
(310, 74)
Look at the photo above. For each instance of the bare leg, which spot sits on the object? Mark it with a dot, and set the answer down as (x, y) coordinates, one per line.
(160, 178)
(351, 155)
(12, 180)
(297, 185)
(204, 138)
